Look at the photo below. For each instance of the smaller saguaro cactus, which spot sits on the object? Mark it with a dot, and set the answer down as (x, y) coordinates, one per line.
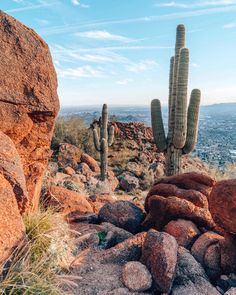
(183, 119)
(106, 140)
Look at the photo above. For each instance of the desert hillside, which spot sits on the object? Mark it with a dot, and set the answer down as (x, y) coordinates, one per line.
(114, 208)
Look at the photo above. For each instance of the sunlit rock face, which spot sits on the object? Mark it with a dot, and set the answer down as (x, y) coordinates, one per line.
(28, 99)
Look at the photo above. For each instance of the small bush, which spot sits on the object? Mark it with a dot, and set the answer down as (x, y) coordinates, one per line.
(34, 266)
(74, 131)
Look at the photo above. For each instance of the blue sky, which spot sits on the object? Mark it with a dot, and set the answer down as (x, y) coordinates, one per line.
(118, 51)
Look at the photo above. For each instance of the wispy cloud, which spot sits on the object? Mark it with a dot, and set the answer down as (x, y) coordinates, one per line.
(141, 66)
(124, 82)
(156, 18)
(29, 7)
(102, 35)
(78, 3)
(230, 25)
(196, 4)
(98, 55)
(86, 71)
(42, 22)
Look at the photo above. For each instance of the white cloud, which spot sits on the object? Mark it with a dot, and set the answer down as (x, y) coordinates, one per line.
(196, 4)
(102, 35)
(156, 18)
(141, 66)
(75, 2)
(230, 25)
(124, 82)
(195, 65)
(80, 72)
(78, 3)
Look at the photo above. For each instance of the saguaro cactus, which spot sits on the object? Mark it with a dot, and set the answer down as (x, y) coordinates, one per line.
(183, 120)
(106, 140)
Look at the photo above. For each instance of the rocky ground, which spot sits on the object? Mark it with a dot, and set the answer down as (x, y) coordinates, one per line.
(175, 238)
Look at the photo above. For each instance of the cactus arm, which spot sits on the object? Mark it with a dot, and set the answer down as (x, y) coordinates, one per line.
(180, 39)
(96, 140)
(193, 114)
(180, 130)
(157, 125)
(111, 132)
(104, 122)
(171, 120)
(103, 155)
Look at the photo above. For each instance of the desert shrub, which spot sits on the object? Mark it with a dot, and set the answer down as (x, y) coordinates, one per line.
(34, 267)
(227, 172)
(74, 131)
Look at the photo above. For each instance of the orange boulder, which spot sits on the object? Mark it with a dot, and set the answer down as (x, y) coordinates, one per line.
(222, 202)
(91, 162)
(67, 201)
(11, 168)
(191, 180)
(28, 98)
(11, 224)
(163, 210)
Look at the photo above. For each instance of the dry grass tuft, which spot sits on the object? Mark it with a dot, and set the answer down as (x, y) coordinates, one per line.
(228, 172)
(34, 267)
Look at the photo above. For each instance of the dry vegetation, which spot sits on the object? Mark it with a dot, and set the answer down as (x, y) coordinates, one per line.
(228, 172)
(74, 131)
(34, 267)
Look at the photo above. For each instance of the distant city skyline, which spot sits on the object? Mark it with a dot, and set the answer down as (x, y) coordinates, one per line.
(118, 51)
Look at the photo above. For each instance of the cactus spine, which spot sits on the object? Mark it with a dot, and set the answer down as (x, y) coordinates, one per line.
(183, 120)
(106, 140)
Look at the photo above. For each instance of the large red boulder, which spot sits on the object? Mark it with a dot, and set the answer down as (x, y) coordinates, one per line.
(201, 245)
(28, 99)
(184, 231)
(159, 254)
(222, 202)
(11, 168)
(123, 214)
(191, 180)
(167, 190)
(162, 210)
(228, 253)
(67, 201)
(11, 224)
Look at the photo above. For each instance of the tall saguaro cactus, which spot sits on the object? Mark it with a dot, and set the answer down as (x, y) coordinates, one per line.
(106, 140)
(183, 119)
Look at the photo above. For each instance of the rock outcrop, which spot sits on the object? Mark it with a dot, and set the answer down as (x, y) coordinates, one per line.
(13, 197)
(12, 170)
(11, 224)
(223, 204)
(28, 99)
(182, 196)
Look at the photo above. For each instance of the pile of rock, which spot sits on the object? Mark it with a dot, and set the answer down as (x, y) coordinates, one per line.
(181, 251)
(78, 171)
